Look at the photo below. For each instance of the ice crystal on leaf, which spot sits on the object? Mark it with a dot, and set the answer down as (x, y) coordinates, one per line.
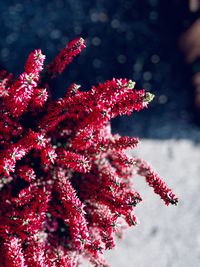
(65, 180)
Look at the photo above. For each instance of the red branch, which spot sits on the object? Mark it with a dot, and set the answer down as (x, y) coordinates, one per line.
(65, 181)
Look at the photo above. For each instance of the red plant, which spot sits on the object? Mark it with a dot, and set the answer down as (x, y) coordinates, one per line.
(66, 182)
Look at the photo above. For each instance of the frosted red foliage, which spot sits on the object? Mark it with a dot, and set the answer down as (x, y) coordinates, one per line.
(66, 184)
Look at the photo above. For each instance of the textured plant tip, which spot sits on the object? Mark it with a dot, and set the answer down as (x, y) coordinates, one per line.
(148, 97)
(66, 56)
(131, 84)
(65, 181)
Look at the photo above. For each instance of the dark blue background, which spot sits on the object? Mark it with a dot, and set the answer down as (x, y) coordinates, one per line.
(130, 38)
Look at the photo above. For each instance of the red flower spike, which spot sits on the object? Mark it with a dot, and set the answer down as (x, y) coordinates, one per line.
(48, 155)
(65, 181)
(122, 143)
(13, 252)
(74, 161)
(66, 55)
(75, 213)
(5, 82)
(34, 63)
(21, 91)
(39, 98)
(153, 179)
(26, 173)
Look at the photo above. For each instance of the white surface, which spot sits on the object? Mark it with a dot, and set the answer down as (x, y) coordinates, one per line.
(166, 236)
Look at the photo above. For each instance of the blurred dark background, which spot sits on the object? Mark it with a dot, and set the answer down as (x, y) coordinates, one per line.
(125, 38)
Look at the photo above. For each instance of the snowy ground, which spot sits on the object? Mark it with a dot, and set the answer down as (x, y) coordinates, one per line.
(166, 236)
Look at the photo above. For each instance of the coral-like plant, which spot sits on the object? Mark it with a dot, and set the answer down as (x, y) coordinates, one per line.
(65, 180)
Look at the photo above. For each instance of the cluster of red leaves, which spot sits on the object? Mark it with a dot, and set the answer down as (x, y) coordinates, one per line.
(65, 181)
